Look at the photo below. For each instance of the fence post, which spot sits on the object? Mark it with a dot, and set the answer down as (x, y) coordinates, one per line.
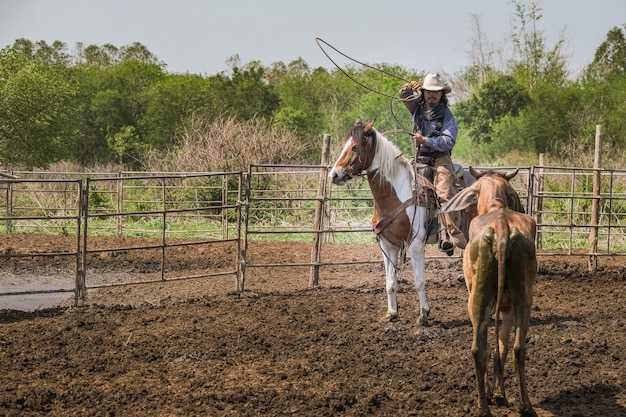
(224, 203)
(238, 258)
(241, 282)
(540, 189)
(9, 222)
(319, 212)
(120, 204)
(164, 230)
(595, 204)
(80, 294)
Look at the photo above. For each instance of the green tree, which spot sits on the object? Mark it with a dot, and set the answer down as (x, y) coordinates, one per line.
(109, 55)
(125, 143)
(610, 57)
(533, 61)
(110, 99)
(548, 125)
(55, 55)
(496, 99)
(604, 84)
(293, 83)
(37, 117)
(248, 95)
(523, 108)
(169, 105)
(313, 102)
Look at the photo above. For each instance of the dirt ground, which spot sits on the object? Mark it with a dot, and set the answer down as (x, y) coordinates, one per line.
(198, 348)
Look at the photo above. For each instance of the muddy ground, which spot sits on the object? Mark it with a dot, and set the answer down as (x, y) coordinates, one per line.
(197, 348)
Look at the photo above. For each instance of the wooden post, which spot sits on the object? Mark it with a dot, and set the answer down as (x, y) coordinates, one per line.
(316, 249)
(540, 189)
(81, 277)
(595, 205)
(120, 204)
(164, 230)
(9, 222)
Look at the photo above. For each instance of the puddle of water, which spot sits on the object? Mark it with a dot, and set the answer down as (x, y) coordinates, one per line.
(32, 302)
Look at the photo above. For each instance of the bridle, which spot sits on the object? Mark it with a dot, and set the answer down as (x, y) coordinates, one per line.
(366, 142)
(363, 155)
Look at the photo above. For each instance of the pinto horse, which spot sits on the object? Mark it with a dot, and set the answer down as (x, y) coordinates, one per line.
(403, 209)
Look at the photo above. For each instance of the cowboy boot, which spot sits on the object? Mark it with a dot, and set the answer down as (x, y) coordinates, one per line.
(455, 234)
(445, 244)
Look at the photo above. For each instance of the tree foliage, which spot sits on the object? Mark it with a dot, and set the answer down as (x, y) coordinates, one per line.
(532, 106)
(497, 98)
(107, 104)
(610, 57)
(37, 113)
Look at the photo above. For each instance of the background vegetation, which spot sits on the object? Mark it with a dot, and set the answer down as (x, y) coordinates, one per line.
(119, 107)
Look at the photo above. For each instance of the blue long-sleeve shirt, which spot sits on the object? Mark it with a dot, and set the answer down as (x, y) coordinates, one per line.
(445, 141)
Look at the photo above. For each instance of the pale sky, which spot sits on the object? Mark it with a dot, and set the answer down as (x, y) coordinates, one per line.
(198, 37)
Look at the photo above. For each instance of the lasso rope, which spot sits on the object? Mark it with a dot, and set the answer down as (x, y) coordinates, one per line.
(393, 97)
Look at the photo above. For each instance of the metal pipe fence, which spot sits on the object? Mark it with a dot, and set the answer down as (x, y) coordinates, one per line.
(155, 214)
(26, 204)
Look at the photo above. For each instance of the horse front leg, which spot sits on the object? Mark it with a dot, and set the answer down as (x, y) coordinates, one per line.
(390, 257)
(419, 278)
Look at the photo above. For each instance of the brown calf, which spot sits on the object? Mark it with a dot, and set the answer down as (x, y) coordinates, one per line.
(500, 267)
(489, 185)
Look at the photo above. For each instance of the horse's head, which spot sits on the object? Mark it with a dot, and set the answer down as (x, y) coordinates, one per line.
(357, 153)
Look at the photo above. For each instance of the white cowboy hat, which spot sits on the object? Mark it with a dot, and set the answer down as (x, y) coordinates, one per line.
(432, 82)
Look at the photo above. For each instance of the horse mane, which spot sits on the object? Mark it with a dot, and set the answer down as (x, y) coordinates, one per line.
(390, 158)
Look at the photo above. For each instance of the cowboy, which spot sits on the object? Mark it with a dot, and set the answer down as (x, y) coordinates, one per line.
(434, 134)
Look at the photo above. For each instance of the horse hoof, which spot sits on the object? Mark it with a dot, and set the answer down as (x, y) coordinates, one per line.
(423, 320)
(389, 317)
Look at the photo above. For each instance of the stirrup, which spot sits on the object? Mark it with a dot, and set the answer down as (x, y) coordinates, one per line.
(447, 247)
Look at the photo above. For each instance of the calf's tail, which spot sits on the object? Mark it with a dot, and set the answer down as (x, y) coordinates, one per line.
(502, 249)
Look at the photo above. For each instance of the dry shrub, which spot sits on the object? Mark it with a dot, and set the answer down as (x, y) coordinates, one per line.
(227, 145)
(66, 166)
(576, 154)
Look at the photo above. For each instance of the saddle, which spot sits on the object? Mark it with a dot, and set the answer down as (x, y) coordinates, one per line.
(427, 196)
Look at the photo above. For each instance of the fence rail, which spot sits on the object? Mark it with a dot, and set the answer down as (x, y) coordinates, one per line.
(158, 213)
